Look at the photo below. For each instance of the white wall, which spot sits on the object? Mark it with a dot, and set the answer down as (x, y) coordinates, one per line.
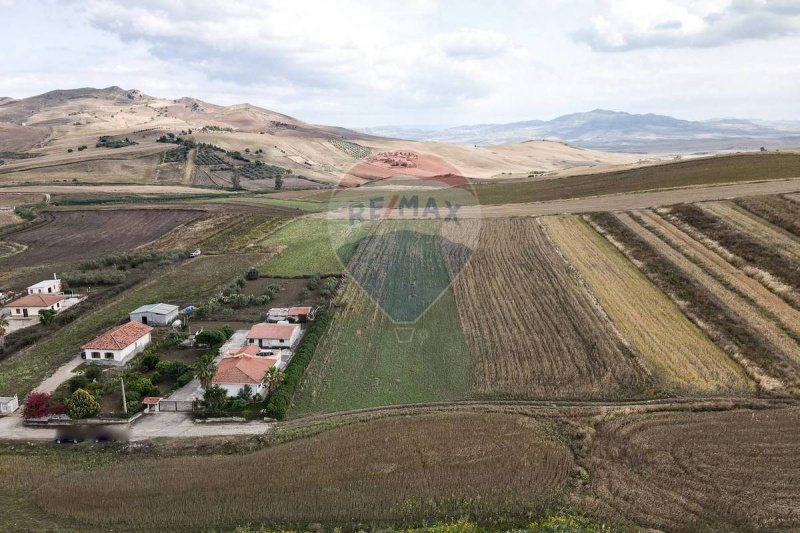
(54, 287)
(154, 319)
(120, 356)
(17, 312)
(233, 390)
(275, 343)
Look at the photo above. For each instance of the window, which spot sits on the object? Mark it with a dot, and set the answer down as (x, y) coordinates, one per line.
(83, 355)
(18, 310)
(95, 355)
(109, 355)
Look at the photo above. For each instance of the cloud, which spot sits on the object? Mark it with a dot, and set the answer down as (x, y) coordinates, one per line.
(472, 44)
(621, 25)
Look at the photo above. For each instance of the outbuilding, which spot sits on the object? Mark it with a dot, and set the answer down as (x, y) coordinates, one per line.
(8, 404)
(280, 335)
(158, 315)
(30, 305)
(118, 344)
(48, 286)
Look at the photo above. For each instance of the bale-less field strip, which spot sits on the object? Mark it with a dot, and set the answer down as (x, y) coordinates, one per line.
(535, 330)
(709, 471)
(422, 468)
(64, 236)
(182, 284)
(783, 212)
(677, 352)
(767, 233)
(733, 278)
(759, 339)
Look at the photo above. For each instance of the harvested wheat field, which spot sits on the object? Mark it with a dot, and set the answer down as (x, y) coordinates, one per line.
(535, 330)
(75, 235)
(750, 335)
(678, 354)
(708, 471)
(784, 212)
(391, 470)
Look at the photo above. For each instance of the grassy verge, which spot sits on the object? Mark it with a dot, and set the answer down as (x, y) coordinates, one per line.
(183, 284)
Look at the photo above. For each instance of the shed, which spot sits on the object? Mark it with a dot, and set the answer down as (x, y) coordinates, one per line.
(8, 404)
(159, 314)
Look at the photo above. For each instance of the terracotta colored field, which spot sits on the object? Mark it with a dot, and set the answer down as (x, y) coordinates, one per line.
(678, 354)
(75, 235)
(708, 471)
(393, 469)
(535, 331)
(784, 349)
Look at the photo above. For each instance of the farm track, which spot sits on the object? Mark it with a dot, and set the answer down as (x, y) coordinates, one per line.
(677, 352)
(768, 331)
(535, 330)
(748, 287)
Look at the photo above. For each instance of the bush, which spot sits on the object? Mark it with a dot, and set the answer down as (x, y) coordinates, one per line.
(238, 404)
(228, 331)
(150, 361)
(93, 372)
(82, 405)
(144, 386)
(37, 405)
(211, 338)
(78, 382)
(185, 378)
(281, 399)
(252, 274)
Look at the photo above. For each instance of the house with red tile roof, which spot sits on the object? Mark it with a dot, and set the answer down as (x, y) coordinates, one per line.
(30, 305)
(118, 344)
(280, 335)
(236, 371)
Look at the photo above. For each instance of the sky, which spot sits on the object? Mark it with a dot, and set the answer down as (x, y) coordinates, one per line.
(418, 62)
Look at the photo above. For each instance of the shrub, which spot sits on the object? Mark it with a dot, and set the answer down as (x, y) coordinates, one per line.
(150, 361)
(144, 386)
(228, 331)
(210, 337)
(246, 393)
(252, 274)
(82, 405)
(185, 378)
(93, 372)
(238, 404)
(214, 397)
(281, 399)
(163, 367)
(37, 405)
(78, 382)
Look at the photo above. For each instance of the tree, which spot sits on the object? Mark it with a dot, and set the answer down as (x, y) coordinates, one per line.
(37, 405)
(82, 405)
(210, 337)
(46, 316)
(278, 183)
(204, 371)
(272, 379)
(215, 397)
(3, 324)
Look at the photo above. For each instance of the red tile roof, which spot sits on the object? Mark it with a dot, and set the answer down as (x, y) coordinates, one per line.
(294, 311)
(250, 349)
(151, 400)
(36, 300)
(243, 370)
(271, 331)
(119, 337)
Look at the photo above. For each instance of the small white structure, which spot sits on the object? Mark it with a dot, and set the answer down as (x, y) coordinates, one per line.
(290, 314)
(160, 315)
(48, 286)
(280, 335)
(236, 371)
(8, 404)
(30, 305)
(118, 344)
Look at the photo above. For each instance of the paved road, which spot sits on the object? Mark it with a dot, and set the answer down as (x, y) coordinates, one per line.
(193, 390)
(615, 202)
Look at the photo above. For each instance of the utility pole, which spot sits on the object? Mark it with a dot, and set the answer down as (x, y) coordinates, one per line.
(124, 401)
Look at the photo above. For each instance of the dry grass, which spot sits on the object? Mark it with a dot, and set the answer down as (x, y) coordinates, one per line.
(535, 331)
(710, 471)
(783, 212)
(391, 470)
(676, 351)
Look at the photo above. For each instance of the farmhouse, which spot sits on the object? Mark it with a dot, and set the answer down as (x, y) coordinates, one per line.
(155, 314)
(291, 314)
(48, 286)
(30, 305)
(235, 372)
(118, 344)
(8, 404)
(280, 335)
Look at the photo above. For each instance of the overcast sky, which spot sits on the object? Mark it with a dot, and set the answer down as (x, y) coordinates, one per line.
(418, 62)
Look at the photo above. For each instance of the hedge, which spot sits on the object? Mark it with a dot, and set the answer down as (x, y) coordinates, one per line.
(281, 399)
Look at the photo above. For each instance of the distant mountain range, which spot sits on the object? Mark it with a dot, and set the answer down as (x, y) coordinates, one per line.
(617, 131)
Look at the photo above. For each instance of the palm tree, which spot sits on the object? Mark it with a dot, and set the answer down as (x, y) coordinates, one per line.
(272, 379)
(47, 316)
(204, 371)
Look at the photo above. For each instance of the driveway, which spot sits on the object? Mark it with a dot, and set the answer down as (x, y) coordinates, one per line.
(61, 375)
(193, 390)
(153, 425)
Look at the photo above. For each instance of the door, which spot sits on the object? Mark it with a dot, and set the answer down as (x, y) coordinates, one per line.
(144, 319)
(25, 313)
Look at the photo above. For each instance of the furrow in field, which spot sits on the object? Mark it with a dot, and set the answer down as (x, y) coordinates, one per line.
(534, 329)
(675, 350)
(719, 268)
(768, 330)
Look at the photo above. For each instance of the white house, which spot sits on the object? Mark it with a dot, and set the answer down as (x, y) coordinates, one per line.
(236, 371)
(8, 404)
(155, 314)
(280, 335)
(118, 344)
(30, 305)
(48, 286)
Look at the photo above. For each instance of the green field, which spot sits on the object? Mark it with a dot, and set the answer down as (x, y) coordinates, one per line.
(366, 360)
(183, 284)
(310, 247)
